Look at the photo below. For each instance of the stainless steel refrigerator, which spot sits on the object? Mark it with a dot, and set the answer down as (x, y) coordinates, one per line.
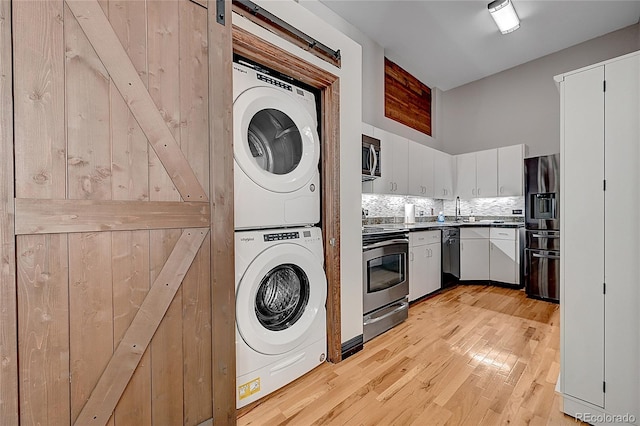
(541, 272)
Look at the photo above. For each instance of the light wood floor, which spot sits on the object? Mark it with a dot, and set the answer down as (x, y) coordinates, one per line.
(473, 355)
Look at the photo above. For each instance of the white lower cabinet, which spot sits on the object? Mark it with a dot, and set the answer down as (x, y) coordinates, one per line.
(424, 263)
(504, 256)
(474, 254)
(490, 254)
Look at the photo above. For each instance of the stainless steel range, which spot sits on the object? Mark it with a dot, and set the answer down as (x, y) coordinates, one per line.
(385, 279)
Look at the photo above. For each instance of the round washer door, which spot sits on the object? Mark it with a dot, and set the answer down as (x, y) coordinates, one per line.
(275, 140)
(279, 298)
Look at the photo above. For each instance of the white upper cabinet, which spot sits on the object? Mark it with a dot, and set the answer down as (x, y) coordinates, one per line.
(511, 171)
(443, 172)
(477, 174)
(466, 172)
(421, 173)
(487, 173)
(367, 129)
(393, 163)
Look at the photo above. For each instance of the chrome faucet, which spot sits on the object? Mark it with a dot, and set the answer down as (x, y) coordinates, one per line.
(457, 208)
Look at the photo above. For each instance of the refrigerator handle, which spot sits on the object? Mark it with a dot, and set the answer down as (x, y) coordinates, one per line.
(546, 256)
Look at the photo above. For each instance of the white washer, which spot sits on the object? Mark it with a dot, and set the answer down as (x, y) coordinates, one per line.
(276, 152)
(281, 290)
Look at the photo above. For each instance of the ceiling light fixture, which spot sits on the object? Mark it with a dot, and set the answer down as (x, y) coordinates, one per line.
(505, 15)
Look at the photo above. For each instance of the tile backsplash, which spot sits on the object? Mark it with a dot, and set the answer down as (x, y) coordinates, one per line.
(390, 206)
(393, 205)
(499, 206)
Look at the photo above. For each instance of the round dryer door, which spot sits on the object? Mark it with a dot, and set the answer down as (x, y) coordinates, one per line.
(280, 298)
(275, 140)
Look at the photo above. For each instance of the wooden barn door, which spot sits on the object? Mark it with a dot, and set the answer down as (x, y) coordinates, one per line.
(123, 212)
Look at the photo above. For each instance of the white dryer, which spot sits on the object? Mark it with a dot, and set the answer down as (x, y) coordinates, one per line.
(276, 152)
(281, 290)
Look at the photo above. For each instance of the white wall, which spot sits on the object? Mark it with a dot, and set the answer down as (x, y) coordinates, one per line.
(350, 75)
(522, 104)
(373, 80)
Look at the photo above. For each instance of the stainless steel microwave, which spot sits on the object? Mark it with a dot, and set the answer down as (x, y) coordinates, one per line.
(370, 158)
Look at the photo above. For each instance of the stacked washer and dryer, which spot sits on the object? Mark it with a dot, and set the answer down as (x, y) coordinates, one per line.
(281, 285)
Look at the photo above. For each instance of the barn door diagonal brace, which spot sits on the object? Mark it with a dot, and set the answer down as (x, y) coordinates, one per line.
(125, 359)
(114, 57)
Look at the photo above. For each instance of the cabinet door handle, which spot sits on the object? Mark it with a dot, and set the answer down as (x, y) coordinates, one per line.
(391, 183)
(473, 191)
(502, 189)
(478, 191)
(412, 256)
(461, 245)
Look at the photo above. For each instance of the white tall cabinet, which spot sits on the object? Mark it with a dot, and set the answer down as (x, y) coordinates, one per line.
(600, 251)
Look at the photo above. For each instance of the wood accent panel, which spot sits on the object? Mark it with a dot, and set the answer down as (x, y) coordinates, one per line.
(261, 51)
(250, 46)
(406, 99)
(106, 44)
(196, 287)
(8, 296)
(90, 314)
(297, 39)
(126, 357)
(166, 44)
(43, 333)
(163, 34)
(202, 3)
(34, 216)
(130, 181)
(223, 296)
(40, 172)
(131, 281)
(489, 356)
(87, 114)
(330, 223)
(130, 149)
(40, 168)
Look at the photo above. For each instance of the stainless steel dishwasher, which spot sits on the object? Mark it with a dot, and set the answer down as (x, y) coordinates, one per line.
(450, 256)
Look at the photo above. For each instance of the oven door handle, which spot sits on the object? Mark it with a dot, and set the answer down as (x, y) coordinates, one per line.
(401, 306)
(386, 243)
(545, 236)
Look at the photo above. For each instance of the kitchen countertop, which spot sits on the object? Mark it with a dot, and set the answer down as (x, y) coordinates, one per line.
(422, 226)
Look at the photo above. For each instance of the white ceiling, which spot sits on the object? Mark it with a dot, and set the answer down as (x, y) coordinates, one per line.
(446, 44)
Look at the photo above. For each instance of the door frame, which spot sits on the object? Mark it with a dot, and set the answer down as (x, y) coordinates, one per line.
(256, 49)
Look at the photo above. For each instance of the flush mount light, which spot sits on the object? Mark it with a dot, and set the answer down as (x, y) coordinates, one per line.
(505, 15)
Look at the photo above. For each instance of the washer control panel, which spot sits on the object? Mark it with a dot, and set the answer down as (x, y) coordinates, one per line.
(280, 236)
(275, 82)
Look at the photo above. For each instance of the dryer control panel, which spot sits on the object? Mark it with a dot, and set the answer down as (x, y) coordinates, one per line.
(282, 236)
